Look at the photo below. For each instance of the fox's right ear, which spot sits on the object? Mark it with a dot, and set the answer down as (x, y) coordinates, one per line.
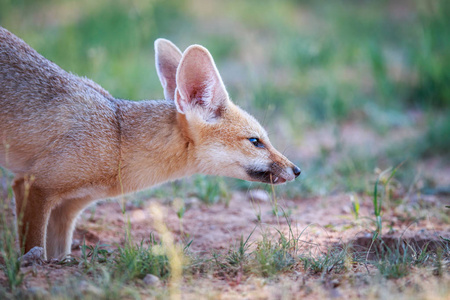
(199, 85)
(167, 58)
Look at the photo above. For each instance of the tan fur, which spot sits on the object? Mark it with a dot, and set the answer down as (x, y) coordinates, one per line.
(69, 142)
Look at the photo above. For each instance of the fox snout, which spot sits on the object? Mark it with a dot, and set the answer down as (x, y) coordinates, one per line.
(275, 173)
(269, 165)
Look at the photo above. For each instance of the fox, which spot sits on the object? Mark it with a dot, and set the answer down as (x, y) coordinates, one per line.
(69, 143)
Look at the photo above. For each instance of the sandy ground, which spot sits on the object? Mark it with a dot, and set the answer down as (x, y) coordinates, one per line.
(318, 223)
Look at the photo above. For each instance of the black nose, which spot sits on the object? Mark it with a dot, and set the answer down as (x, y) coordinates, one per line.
(297, 171)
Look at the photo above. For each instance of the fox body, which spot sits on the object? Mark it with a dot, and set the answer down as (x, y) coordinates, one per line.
(69, 142)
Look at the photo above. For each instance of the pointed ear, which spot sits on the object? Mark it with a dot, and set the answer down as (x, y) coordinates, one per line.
(199, 86)
(167, 58)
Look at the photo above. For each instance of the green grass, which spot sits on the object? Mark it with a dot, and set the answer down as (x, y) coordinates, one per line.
(9, 263)
(384, 178)
(300, 67)
(395, 263)
(333, 260)
(129, 262)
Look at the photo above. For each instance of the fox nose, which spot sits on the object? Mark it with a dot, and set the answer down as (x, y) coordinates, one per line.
(296, 171)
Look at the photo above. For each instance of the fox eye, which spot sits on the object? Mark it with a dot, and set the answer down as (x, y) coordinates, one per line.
(256, 142)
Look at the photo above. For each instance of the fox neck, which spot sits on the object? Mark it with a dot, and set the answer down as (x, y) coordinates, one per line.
(154, 147)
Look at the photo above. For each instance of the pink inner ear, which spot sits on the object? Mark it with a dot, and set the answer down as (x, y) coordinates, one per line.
(199, 82)
(202, 93)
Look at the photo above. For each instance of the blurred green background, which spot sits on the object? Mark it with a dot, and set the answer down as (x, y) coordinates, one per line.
(343, 87)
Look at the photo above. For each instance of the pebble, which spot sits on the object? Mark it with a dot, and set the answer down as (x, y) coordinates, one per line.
(346, 209)
(76, 243)
(87, 288)
(192, 202)
(35, 255)
(258, 196)
(151, 279)
(335, 283)
(38, 292)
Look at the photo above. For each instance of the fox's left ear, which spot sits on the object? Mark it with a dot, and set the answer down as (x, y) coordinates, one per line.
(199, 86)
(167, 59)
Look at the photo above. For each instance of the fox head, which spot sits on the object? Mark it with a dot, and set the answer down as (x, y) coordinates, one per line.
(226, 140)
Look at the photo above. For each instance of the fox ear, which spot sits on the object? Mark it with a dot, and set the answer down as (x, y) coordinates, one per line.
(167, 58)
(199, 86)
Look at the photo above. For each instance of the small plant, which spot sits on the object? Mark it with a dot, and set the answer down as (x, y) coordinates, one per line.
(334, 259)
(236, 261)
(240, 255)
(92, 255)
(180, 209)
(9, 257)
(136, 261)
(355, 205)
(395, 263)
(378, 201)
(272, 257)
(438, 264)
(443, 238)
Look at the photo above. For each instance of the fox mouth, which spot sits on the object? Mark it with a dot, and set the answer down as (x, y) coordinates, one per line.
(265, 176)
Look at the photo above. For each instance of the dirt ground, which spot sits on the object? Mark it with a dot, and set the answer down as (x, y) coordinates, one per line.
(319, 222)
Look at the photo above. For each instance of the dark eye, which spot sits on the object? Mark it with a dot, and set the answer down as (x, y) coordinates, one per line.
(256, 142)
